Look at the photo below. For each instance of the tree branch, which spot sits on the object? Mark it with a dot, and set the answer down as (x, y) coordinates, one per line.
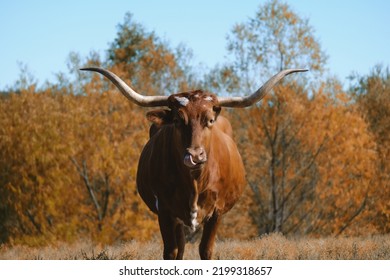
(32, 220)
(83, 171)
(357, 213)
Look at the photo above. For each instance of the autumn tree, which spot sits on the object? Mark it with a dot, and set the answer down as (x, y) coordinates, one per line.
(372, 94)
(309, 163)
(113, 132)
(68, 167)
(33, 187)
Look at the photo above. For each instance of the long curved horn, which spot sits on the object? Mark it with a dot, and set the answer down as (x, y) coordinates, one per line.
(128, 92)
(249, 100)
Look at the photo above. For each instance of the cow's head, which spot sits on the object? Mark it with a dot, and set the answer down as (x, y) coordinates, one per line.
(192, 113)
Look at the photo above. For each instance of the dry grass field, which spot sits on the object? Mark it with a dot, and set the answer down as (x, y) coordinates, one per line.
(274, 247)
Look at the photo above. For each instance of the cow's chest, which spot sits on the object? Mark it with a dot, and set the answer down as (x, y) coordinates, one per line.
(187, 205)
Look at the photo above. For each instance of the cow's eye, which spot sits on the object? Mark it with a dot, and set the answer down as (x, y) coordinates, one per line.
(211, 122)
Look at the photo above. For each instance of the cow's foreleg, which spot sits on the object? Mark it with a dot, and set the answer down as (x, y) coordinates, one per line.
(172, 233)
(180, 240)
(208, 237)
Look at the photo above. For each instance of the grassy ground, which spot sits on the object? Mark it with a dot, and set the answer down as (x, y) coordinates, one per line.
(275, 246)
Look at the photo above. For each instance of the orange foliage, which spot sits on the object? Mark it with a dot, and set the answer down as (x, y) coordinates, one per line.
(51, 144)
(310, 163)
(373, 97)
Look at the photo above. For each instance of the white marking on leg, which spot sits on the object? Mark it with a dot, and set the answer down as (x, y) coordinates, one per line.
(194, 222)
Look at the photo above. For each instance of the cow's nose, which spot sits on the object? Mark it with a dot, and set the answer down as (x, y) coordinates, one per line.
(198, 154)
(195, 156)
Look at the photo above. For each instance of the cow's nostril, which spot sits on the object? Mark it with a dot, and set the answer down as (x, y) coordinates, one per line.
(202, 155)
(199, 154)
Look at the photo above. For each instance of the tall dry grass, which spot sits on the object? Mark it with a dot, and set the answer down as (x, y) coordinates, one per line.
(274, 247)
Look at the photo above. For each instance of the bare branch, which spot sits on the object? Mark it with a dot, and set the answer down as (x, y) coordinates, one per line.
(32, 220)
(83, 171)
(357, 213)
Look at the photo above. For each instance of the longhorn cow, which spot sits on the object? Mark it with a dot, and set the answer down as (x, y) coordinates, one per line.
(190, 170)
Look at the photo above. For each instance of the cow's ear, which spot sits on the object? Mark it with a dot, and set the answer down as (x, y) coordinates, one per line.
(159, 117)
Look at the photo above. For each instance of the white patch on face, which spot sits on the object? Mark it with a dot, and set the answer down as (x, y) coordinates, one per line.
(208, 98)
(182, 100)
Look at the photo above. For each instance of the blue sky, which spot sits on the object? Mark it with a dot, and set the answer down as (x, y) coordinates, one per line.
(41, 34)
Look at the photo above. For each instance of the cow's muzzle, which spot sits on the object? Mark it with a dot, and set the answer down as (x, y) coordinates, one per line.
(195, 157)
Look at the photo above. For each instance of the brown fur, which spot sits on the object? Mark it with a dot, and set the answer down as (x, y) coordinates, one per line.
(176, 192)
